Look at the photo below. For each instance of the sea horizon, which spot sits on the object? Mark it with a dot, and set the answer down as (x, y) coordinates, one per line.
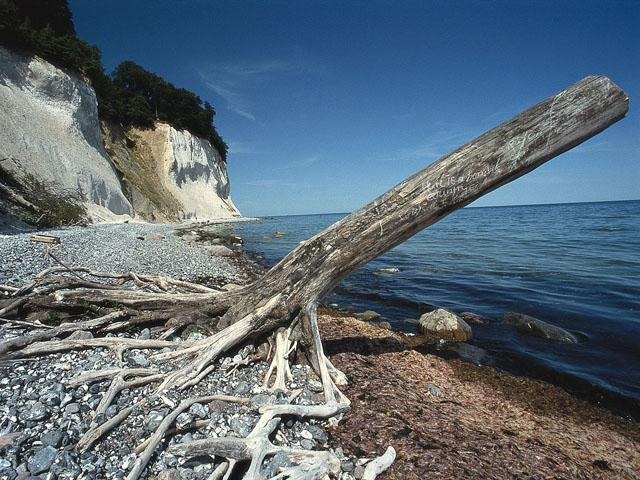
(463, 208)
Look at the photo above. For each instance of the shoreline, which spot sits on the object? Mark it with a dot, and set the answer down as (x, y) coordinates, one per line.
(237, 266)
(457, 419)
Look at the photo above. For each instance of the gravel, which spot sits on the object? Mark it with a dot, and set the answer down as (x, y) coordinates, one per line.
(42, 417)
(117, 248)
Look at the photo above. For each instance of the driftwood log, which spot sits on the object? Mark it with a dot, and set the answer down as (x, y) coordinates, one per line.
(282, 304)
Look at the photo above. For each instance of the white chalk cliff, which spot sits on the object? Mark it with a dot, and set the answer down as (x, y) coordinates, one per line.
(170, 174)
(196, 175)
(49, 128)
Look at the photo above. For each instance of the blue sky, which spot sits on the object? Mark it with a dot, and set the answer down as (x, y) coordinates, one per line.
(325, 104)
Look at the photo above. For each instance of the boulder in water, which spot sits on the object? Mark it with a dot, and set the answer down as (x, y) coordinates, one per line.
(471, 317)
(468, 352)
(445, 325)
(533, 326)
(368, 315)
(389, 270)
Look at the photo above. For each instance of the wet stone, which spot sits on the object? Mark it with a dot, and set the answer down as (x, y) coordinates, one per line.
(111, 411)
(152, 420)
(318, 433)
(306, 434)
(170, 460)
(348, 466)
(138, 360)
(72, 408)
(145, 334)
(307, 444)
(263, 399)
(278, 461)
(315, 386)
(8, 473)
(241, 425)
(242, 388)
(50, 399)
(80, 335)
(171, 474)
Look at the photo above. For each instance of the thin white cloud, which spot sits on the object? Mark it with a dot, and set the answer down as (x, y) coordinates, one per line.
(274, 182)
(235, 101)
(438, 144)
(305, 163)
(238, 148)
(234, 81)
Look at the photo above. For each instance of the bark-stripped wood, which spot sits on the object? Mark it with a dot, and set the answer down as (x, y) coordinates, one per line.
(495, 158)
(285, 299)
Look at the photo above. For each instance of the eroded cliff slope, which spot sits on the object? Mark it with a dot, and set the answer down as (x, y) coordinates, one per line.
(49, 129)
(170, 174)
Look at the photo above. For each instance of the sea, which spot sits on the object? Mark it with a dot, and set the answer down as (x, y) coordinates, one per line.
(574, 265)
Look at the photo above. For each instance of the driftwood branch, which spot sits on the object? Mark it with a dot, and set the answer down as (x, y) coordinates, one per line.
(285, 299)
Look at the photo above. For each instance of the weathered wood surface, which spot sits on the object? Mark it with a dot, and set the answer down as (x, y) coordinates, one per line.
(45, 239)
(287, 295)
(495, 158)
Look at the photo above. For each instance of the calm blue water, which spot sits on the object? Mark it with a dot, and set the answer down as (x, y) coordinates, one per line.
(573, 265)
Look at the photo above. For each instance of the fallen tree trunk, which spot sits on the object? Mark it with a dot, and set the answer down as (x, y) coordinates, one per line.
(285, 299)
(495, 158)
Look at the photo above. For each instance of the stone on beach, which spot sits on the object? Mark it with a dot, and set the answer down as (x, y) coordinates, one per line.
(536, 327)
(42, 460)
(445, 325)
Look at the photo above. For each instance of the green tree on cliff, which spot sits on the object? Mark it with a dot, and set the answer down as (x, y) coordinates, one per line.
(131, 96)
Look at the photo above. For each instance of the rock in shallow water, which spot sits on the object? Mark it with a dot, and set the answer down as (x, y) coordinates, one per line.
(367, 316)
(538, 328)
(445, 325)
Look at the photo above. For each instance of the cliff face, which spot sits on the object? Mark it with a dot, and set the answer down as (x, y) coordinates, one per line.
(49, 129)
(170, 174)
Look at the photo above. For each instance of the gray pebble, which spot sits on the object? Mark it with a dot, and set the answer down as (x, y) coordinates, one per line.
(434, 390)
(184, 421)
(42, 460)
(138, 360)
(72, 408)
(198, 410)
(37, 412)
(52, 438)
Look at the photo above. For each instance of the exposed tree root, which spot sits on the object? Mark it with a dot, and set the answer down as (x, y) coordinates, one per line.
(190, 362)
(285, 297)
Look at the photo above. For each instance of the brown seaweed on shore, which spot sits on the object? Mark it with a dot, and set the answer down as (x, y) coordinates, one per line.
(451, 419)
